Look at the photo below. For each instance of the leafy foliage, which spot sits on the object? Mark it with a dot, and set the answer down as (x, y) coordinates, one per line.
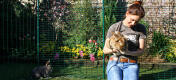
(109, 16)
(82, 23)
(159, 42)
(164, 46)
(18, 32)
(169, 52)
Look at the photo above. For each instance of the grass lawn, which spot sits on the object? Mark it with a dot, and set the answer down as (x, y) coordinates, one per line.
(158, 74)
(71, 72)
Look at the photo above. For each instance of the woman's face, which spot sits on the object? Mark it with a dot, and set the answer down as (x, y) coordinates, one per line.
(131, 20)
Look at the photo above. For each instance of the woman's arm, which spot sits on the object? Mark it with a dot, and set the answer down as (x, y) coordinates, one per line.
(139, 51)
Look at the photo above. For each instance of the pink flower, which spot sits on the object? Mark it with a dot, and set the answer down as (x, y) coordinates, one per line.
(92, 58)
(90, 41)
(94, 41)
(56, 56)
(96, 46)
(62, 7)
(91, 55)
(24, 36)
(45, 14)
(60, 14)
(81, 53)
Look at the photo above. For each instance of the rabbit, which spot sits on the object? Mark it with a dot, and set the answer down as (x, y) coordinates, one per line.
(117, 41)
(42, 71)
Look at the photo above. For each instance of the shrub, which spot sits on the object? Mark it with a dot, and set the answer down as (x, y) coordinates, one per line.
(82, 24)
(159, 42)
(163, 45)
(169, 52)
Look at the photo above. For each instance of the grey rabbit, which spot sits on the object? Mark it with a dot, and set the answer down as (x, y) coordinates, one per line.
(42, 71)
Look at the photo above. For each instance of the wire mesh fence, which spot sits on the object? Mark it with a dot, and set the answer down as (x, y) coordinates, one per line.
(70, 34)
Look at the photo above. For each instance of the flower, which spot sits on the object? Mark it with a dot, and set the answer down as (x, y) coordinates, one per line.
(94, 41)
(90, 41)
(65, 49)
(81, 53)
(91, 55)
(92, 58)
(93, 47)
(90, 50)
(100, 52)
(56, 56)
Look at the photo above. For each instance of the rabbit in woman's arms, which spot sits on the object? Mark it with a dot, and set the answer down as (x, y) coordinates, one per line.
(117, 41)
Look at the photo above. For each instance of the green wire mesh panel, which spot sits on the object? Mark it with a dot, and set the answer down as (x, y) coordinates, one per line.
(18, 31)
(17, 40)
(71, 38)
(158, 61)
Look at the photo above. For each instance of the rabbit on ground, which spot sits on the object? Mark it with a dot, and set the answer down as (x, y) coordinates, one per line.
(42, 71)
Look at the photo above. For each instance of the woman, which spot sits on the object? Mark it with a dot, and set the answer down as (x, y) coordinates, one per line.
(124, 66)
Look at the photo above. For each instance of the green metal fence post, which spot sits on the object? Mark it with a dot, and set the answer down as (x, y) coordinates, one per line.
(103, 39)
(38, 31)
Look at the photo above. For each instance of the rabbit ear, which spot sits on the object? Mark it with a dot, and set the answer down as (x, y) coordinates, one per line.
(47, 62)
(117, 32)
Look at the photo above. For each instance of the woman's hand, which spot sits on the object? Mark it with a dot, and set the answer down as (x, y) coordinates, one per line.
(115, 50)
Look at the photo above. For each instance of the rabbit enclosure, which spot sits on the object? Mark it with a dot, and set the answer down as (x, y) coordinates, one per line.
(71, 34)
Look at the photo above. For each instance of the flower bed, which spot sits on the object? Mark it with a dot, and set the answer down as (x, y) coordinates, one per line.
(92, 50)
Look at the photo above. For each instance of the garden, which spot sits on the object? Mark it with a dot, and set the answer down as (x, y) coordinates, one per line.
(71, 33)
